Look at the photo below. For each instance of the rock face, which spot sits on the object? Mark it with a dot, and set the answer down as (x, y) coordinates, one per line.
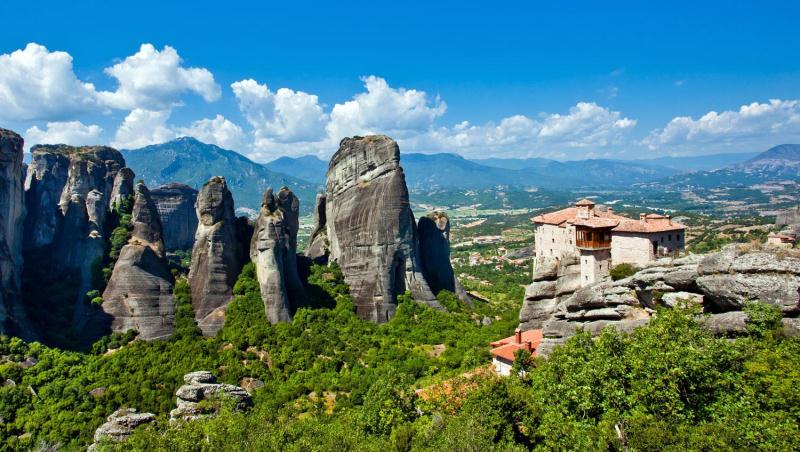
(68, 192)
(120, 425)
(721, 283)
(123, 186)
(318, 244)
(790, 217)
(434, 249)
(273, 250)
(176, 207)
(370, 226)
(139, 294)
(217, 256)
(13, 318)
(202, 386)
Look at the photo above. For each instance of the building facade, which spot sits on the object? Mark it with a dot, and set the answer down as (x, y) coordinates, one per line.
(603, 239)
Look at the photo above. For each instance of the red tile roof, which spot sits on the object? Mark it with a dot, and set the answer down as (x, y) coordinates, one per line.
(505, 348)
(584, 202)
(650, 223)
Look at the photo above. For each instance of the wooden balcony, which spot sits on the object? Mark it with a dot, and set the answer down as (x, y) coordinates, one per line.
(592, 238)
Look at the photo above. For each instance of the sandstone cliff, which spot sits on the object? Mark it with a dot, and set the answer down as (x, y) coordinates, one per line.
(270, 250)
(13, 318)
(176, 207)
(370, 227)
(217, 256)
(139, 294)
(720, 283)
(201, 397)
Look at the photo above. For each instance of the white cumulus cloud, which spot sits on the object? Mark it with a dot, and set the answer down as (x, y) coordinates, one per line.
(586, 126)
(217, 130)
(74, 133)
(283, 116)
(398, 112)
(754, 124)
(143, 127)
(155, 80)
(37, 84)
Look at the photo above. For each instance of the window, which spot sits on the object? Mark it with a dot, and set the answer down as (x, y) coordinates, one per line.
(554, 240)
(669, 237)
(589, 235)
(662, 239)
(678, 237)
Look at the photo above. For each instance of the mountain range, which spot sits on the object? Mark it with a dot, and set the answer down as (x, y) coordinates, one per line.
(191, 162)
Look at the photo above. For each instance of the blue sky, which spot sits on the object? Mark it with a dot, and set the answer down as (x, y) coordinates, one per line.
(505, 79)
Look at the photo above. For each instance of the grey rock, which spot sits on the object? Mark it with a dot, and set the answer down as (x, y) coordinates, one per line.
(434, 249)
(674, 299)
(732, 323)
(217, 256)
(13, 318)
(269, 250)
(195, 397)
(318, 244)
(120, 425)
(139, 293)
(791, 326)
(370, 227)
(176, 207)
(123, 186)
(553, 281)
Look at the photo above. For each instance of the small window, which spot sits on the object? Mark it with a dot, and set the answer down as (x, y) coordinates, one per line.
(669, 237)
(554, 240)
(678, 237)
(662, 239)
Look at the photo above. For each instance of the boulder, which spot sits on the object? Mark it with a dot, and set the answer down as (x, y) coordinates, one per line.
(123, 186)
(120, 425)
(217, 257)
(370, 227)
(553, 281)
(139, 293)
(13, 318)
(176, 207)
(196, 398)
(733, 276)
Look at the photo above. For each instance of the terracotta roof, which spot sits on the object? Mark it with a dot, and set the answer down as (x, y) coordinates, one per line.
(584, 202)
(505, 348)
(661, 225)
(570, 214)
(597, 222)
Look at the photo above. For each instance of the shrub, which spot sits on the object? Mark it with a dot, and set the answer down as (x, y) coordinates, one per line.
(622, 271)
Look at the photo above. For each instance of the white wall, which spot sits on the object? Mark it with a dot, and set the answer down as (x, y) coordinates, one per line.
(595, 265)
(637, 248)
(501, 366)
(553, 241)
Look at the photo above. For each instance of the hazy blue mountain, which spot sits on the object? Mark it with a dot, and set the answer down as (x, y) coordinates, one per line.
(515, 164)
(777, 163)
(307, 167)
(452, 170)
(699, 162)
(192, 162)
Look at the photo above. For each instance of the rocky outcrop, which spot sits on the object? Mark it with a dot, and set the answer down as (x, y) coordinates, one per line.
(120, 425)
(721, 283)
(730, 278)
(196, 398)
(273, 249)
(553, 281)
(13, 318)
(217, 256)
(123, 186)
(789, 217)
(370, 226)
(176, 207)
(434, 248)
(317, 249)
(139, 294)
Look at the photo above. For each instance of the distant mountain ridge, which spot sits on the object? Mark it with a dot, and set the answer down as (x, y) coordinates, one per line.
(449, 170)
(191, 162)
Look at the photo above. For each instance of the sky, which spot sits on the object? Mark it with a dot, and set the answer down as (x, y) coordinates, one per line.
(512, 79)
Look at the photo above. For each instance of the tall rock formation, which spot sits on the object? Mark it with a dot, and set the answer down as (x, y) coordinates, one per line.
(176, 206)
(123, 186)
(68, 192)
(272, 249)
(139, 294)
(217, 256)
(434, 249)
(317, 249)
(13, 319)
(371, 229)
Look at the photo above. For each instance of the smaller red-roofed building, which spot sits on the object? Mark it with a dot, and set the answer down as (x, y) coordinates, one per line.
(783, 240)
(503, 350)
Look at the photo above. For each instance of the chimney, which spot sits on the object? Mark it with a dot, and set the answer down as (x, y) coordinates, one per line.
(669, 219)
(529, 346)
(518, 336)
(642, 217)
